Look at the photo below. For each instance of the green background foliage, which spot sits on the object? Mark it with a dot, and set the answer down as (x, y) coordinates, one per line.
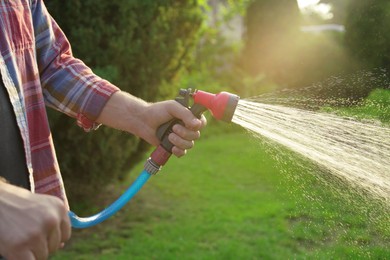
(213, 205)
(140, 46)
(153, 48)
(275, 46)
(368, 32)
(266, 202)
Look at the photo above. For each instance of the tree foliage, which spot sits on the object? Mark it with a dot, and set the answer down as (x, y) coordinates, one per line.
(270, 26)
(276, 48)
(368, 32)
(339, 8)
(140, 46)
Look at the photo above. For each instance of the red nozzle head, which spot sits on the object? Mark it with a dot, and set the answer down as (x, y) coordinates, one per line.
(221, 105)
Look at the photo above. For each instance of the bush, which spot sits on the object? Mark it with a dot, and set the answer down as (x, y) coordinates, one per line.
(368, 32)
(138, 46)
(276, 49)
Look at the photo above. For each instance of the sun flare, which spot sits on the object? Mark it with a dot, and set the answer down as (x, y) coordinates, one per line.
(306, 3)
(314, 6)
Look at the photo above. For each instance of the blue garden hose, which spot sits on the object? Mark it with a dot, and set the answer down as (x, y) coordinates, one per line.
(78, 222)
(221, 105)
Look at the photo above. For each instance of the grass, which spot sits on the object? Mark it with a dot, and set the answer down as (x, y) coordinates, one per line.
(231, 198)
(376, 106)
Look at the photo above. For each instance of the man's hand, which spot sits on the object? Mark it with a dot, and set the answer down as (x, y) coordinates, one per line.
(183, 136)
(32, 226)
(126, 112)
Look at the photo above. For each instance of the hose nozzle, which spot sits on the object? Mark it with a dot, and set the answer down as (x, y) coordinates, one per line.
(222, 105)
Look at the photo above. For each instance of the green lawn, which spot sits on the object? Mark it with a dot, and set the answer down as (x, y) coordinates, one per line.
(376, 106)
(229, 198)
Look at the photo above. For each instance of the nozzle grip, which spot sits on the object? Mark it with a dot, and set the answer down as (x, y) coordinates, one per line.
(165, 129)
(197, 110)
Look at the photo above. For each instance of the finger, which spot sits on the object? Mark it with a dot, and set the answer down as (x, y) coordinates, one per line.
(27, 255)
(54, 240)
(41, 251)
(186, 133)
(66, 228)
(185, 115)
(180, 142)
(203, 121)
(178, 152)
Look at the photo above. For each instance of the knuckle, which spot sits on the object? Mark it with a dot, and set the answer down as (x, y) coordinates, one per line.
(178, 129)
(173, 138)
(51, 220)
(34, 235)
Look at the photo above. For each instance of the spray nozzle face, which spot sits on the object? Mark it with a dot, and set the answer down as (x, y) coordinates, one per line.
(222, 105)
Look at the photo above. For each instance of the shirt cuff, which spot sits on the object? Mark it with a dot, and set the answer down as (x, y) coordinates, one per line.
(94, 104)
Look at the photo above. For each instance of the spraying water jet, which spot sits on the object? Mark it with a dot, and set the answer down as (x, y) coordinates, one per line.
(354, 151)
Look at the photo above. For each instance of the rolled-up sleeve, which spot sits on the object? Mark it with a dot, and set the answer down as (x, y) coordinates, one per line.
(68, 84)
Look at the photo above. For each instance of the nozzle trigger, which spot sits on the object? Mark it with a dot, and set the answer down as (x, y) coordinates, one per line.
(165, 129)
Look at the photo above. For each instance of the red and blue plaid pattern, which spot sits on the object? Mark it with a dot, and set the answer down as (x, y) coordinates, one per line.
(38, 69)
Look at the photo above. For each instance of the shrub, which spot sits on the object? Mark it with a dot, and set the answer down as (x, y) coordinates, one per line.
(137, 45)
(368, 33)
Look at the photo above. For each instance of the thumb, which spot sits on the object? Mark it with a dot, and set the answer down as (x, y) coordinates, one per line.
(184, 114)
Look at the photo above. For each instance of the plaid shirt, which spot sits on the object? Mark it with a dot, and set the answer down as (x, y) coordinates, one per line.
(38, 69)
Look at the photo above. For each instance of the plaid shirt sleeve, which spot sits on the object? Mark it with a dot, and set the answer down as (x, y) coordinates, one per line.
(68, 84)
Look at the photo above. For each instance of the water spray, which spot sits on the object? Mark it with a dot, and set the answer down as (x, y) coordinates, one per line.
(222, 106)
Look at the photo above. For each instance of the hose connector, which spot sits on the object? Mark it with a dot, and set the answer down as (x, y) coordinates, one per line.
(151, 167)
(157, 159)
(221, 105)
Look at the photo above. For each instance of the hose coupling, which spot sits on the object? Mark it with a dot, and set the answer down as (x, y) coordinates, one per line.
(151, 167)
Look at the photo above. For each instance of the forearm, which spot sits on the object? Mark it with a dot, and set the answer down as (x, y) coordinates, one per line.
(125, 112)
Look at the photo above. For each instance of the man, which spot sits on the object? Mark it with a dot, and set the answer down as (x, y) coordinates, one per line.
(37, 69)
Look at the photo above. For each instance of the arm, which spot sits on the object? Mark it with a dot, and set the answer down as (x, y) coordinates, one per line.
(91, 99)
(68, 84)
(126, 112)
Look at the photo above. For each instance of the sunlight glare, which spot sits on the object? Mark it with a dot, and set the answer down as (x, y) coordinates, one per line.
(306, 3)
(314, 6)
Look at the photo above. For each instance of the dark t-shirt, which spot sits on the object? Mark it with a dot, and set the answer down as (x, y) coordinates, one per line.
(13, 165)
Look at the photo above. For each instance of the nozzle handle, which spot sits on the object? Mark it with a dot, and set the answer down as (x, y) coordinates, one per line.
(197, 110)
(165, 129)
